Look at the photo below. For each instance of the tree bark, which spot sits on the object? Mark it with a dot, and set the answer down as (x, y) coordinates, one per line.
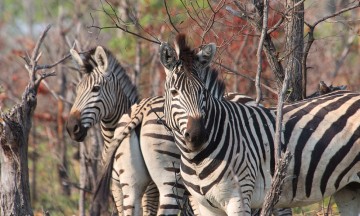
(14, 183)
(295, 49)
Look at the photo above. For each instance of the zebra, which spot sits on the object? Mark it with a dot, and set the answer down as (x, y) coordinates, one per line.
(154, 106)
(103, 95)
(227, 149)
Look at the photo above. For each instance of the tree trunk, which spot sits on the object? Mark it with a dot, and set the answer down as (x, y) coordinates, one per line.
(14, 183)
(14, 135)
(294, 49)
(94, 143)
(62, 146)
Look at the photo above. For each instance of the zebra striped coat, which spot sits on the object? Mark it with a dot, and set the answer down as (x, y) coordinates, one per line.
(104, 94)
(149, 111)
(227, 149)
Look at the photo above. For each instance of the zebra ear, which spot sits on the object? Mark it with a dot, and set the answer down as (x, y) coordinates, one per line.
(77, 58)
(168, 56)
(101, 58)
(206, 54)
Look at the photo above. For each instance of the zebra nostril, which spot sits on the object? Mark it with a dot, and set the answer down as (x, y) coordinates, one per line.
(187, 135)
(76, 128)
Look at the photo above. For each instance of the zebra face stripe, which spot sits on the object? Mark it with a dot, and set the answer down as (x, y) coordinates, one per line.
(186, 102)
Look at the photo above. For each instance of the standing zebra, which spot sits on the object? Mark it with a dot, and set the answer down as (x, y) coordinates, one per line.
(154, 107)
(104, 94)
(227, 149)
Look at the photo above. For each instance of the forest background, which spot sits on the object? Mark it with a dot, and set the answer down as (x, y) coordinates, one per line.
(62, 174)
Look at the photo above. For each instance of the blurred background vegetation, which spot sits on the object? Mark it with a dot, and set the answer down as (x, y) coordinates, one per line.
(56, 183)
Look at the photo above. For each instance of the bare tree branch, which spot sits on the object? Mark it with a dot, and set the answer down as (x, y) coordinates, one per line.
(246, 77)
(211, 21)
(169, 16)
(258, 53)
(117, 25)
(311, 39)
(188, 12)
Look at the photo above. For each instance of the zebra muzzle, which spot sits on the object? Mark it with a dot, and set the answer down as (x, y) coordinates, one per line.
(195, 133)
(74, 127)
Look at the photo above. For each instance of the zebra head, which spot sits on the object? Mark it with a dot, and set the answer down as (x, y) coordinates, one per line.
(185, 93)
(93, 93)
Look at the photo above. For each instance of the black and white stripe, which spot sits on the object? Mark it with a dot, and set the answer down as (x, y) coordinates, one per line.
(227, 149)
(104, 94)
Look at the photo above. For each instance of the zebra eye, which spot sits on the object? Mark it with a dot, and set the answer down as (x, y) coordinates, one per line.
(96, 88)
(174, 92)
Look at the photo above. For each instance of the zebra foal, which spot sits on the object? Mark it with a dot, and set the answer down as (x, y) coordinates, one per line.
(219, 139)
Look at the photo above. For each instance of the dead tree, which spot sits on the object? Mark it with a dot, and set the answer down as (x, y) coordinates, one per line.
(15, 128)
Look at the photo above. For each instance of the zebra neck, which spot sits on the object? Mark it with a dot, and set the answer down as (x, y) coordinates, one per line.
(126, 95)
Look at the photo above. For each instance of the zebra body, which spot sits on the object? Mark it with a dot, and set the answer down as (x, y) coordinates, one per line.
(227, 149)
(104, 95)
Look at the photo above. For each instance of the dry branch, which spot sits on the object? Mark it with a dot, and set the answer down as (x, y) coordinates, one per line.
(265, 14)
(120, 24)
(272, 197)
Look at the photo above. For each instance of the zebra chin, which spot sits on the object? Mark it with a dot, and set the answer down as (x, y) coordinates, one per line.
(194, 146)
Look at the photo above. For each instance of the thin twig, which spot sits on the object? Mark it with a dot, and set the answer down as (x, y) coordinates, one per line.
(188, 12)
(246, 77)
(117, 26)
(41, 67)
(337, 13)
(169, 16)
(211, 21)
(34, 57)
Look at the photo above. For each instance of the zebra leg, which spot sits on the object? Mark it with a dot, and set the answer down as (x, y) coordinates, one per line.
(164, 172)
(162, 158)
(282, 212)
(150, 200)
(133, 175)
(194, 206)
(238, 206)
(117, 192)
(276, 212)
(348, 200)
(205, 211)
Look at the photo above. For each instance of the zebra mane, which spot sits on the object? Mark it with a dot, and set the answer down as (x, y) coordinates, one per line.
(185, 53)
(114, 66)
(209, 76)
